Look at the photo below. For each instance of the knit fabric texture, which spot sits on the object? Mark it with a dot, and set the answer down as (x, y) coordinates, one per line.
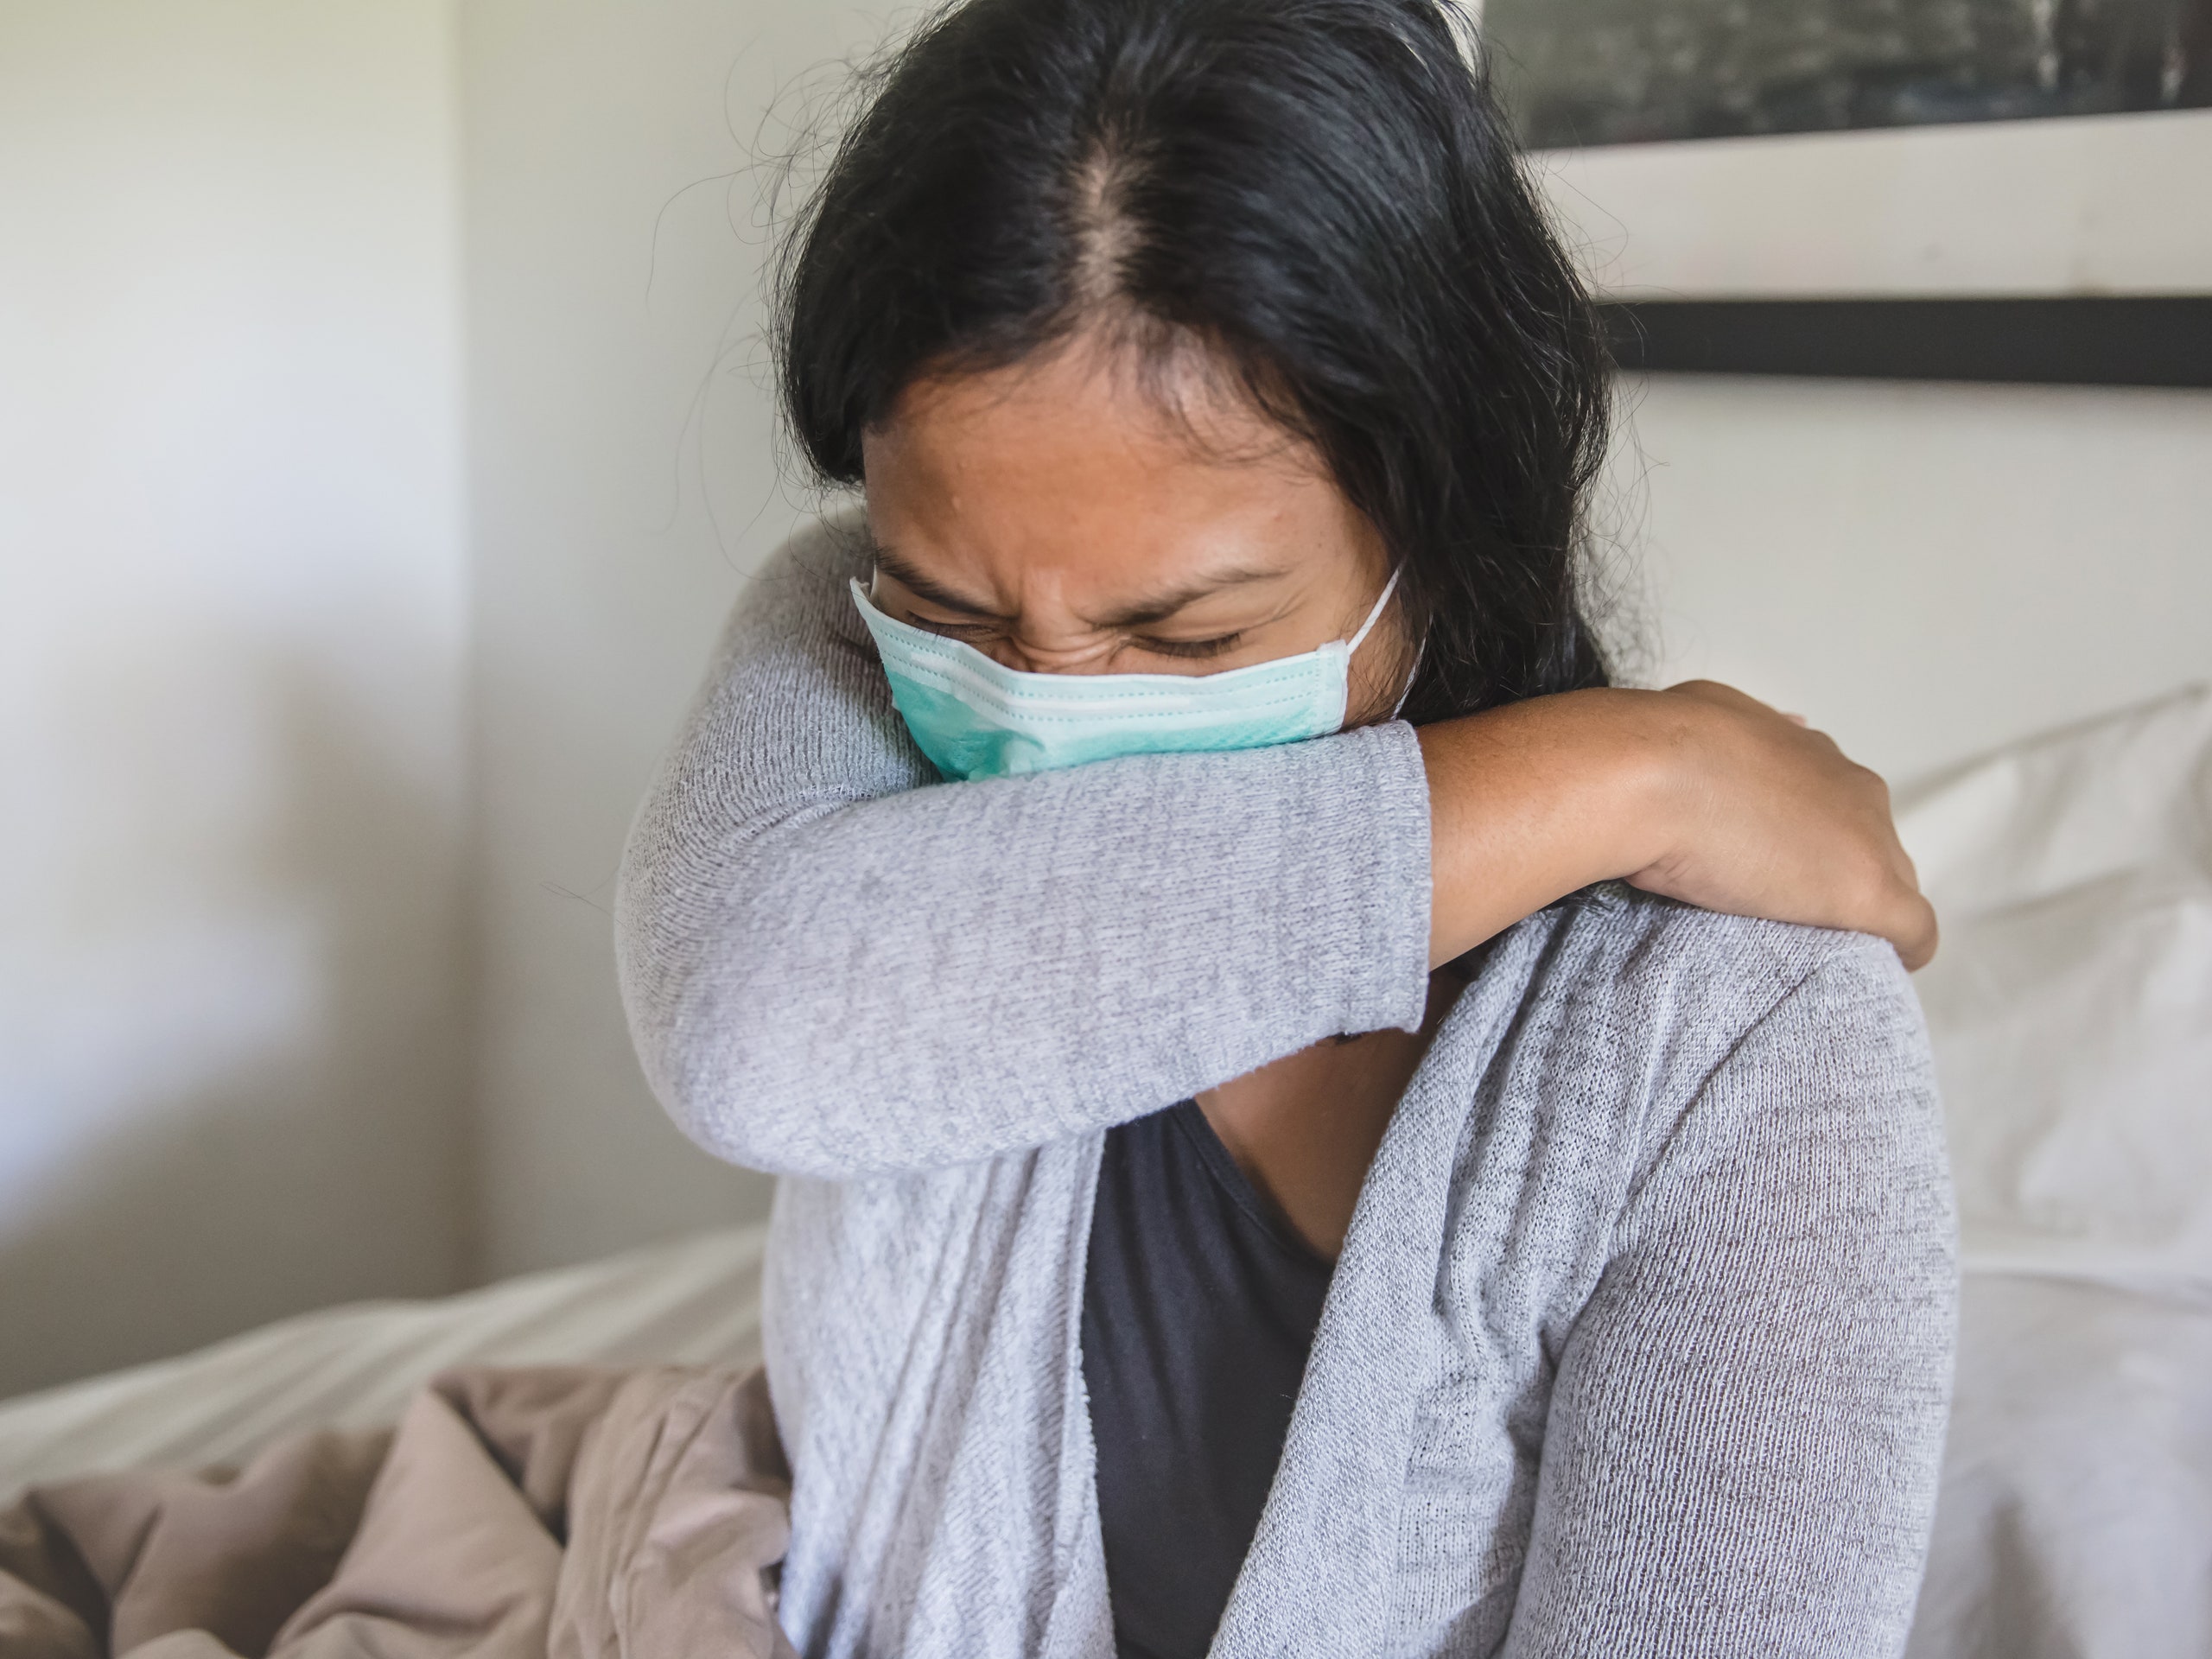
(1640, 1339)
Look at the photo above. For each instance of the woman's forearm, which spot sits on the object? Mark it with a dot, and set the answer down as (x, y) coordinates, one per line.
(1528, 804)
(1698, 793)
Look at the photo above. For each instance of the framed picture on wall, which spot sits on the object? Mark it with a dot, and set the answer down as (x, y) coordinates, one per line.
(1949, 189)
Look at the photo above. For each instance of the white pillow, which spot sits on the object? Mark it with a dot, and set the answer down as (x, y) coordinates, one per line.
(2071, 1003)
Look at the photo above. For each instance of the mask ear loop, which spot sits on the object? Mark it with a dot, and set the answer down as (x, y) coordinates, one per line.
(1366, 628)
(1375, 615)
(1420, 652)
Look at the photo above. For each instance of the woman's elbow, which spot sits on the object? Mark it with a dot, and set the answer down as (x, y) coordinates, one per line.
(716, 1047)
(715, 1074)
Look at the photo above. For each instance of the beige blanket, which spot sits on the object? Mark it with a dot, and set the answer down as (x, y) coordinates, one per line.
(543, 1514)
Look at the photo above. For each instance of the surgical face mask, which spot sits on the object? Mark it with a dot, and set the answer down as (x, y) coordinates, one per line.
(975, 717)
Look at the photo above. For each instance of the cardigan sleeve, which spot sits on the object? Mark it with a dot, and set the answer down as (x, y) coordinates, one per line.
(1747, 1422)
(836, 964)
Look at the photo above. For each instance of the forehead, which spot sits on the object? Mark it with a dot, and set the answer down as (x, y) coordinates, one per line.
(1078, 473)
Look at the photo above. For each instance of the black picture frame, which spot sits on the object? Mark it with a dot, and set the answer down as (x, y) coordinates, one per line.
(2113, 340)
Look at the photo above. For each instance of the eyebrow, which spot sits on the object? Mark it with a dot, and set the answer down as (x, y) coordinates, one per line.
(923, 587)
(1140, 614)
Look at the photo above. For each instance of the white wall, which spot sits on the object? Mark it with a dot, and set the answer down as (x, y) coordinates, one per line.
(231, 629)
(624, 476)
(1925, 570)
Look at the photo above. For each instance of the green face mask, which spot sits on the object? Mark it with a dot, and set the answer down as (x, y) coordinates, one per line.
(976, 718)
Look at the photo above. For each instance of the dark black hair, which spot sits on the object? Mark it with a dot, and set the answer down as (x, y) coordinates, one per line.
(1321, 193)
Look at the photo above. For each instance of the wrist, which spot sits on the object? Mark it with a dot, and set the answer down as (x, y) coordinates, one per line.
(1648, 754)
(1537, 800)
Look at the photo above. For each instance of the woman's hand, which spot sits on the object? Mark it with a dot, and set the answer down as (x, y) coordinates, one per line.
(1771, 819)
(1698, 793)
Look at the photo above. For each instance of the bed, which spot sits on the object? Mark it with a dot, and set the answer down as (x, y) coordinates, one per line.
(696, 1301)
(2071, 1010)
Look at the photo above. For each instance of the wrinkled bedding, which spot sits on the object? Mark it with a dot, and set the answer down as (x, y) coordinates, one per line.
(689, 1301)
(2076, 1518)
(2071, 1012)
(549, 1513)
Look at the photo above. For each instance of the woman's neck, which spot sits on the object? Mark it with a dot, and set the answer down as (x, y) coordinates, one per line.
(1305, 1128)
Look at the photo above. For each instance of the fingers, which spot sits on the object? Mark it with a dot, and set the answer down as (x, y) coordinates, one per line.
(1802, 832)
(1895, 907)
(1916, 941)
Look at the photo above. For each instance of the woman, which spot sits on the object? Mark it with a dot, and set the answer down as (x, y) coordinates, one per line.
(1209, 1223)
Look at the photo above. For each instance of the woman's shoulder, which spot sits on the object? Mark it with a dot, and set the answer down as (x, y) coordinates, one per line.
(1637, 1013)
(1663, 1072)
(799, 588)
(826, 547)
(1665, 974)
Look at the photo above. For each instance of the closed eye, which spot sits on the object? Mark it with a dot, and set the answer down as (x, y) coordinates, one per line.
(968, 633)
(976, 633)
(1194, 649)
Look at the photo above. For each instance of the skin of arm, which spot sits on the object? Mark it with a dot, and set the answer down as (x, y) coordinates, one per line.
(1699, 793)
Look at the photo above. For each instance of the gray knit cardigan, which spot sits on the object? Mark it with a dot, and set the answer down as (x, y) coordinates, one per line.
(1640, 1340)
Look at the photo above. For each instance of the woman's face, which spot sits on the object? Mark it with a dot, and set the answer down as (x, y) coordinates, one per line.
(1055, 516)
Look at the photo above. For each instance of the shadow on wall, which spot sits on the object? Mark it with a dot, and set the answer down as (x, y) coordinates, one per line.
(230, 1047)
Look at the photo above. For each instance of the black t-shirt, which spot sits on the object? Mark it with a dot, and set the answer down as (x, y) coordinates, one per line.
(1199, 1311)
